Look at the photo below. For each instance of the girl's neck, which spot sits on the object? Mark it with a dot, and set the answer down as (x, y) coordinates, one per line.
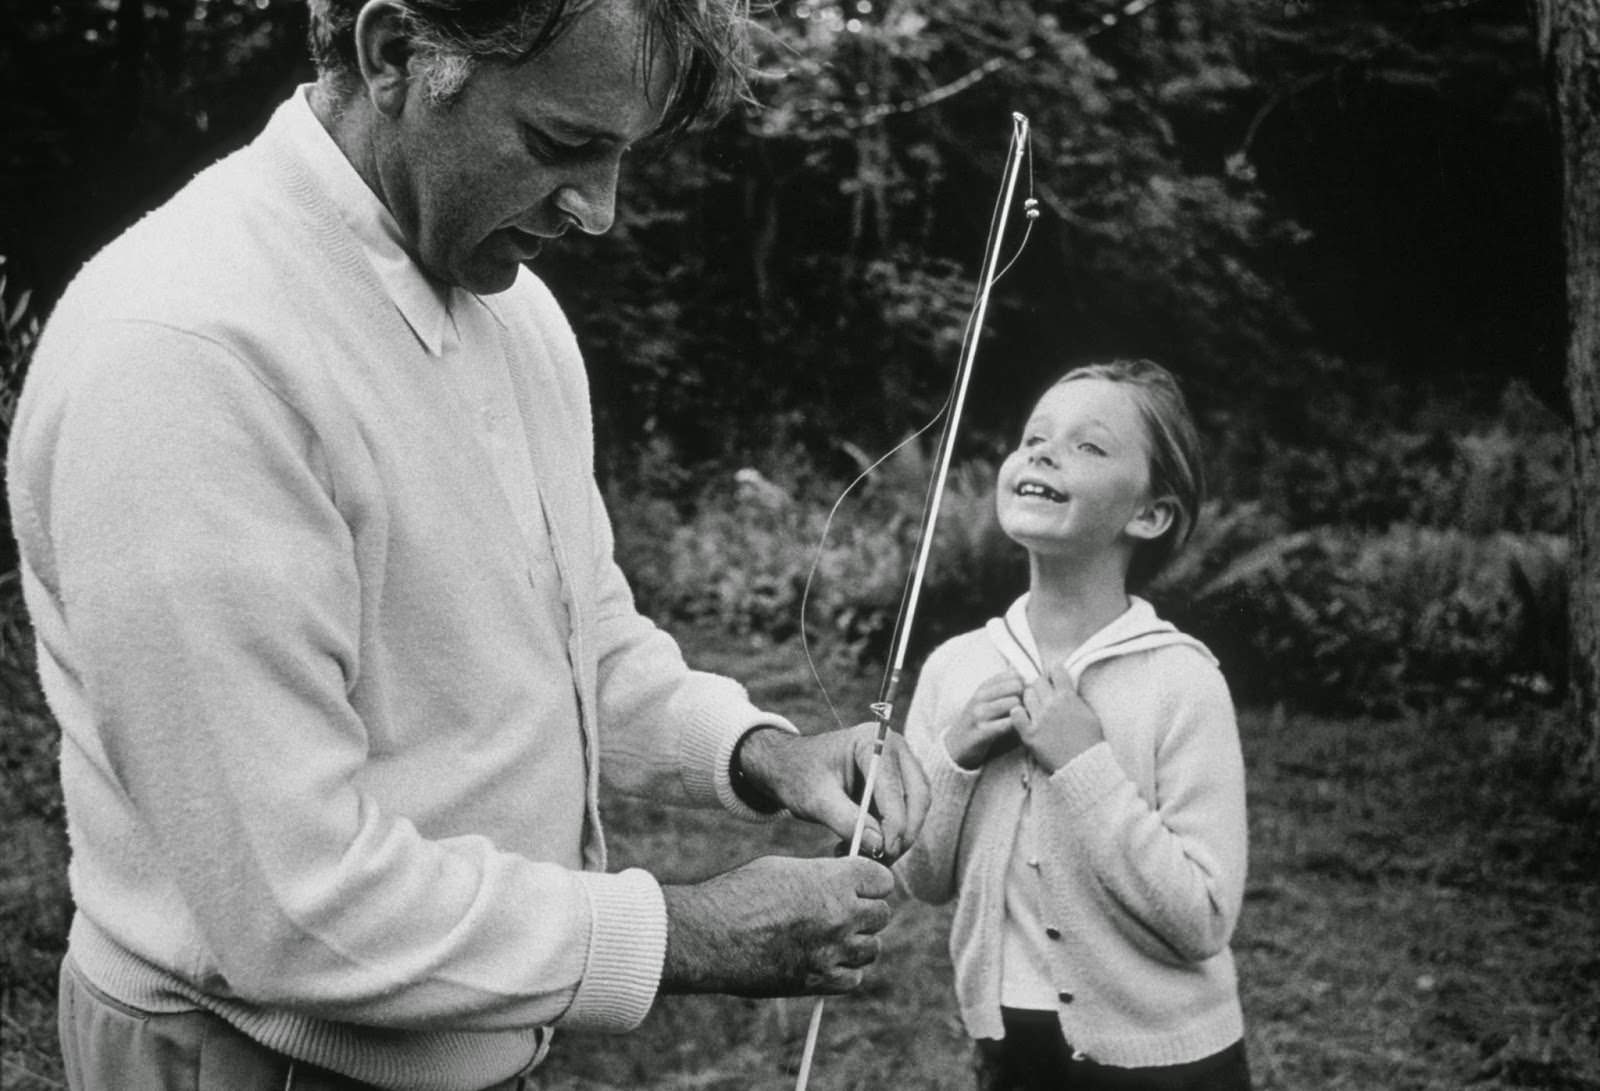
(1067, 605)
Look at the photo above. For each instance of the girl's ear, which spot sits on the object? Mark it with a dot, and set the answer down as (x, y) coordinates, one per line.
(1153, 520)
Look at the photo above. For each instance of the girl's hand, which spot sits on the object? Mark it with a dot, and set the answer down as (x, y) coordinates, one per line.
(1057, 725)
(987, 726)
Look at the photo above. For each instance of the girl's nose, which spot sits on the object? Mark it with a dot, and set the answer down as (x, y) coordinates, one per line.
(1041, 457)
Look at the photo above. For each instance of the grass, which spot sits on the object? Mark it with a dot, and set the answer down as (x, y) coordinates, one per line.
(1423, 913)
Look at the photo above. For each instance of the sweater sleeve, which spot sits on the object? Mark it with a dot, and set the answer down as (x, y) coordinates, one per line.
(928, 869)
(1172, 874)
(667, 732)
(198, 589)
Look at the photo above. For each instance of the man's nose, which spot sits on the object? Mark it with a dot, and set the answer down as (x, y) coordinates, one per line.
(590, 201)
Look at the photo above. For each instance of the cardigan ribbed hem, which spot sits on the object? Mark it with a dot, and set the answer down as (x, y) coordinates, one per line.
(1198, 1038)
(411, 1060)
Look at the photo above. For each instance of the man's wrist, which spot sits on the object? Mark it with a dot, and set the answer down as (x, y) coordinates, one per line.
(749, 791)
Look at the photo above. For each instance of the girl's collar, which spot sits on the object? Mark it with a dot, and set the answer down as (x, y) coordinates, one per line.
(1013, 636)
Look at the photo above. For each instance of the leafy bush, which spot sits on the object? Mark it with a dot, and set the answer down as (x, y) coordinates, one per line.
(27, 734)
(1321, 618)
(1334, 619)
(19, 330)
(741, 553)
(1509, 472)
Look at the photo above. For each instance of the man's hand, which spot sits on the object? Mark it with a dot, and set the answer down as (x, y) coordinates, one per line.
(777, 926)
(819, 778)
(987, 726)
(1057, 724)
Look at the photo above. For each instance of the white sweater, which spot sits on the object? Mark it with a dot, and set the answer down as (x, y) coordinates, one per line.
(1141, 838)
(323, 777)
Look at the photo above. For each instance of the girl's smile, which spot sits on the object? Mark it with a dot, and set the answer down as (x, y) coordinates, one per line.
(1031, 488)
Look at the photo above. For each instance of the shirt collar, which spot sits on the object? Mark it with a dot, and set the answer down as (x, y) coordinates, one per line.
(423, 302)
(1136, 628)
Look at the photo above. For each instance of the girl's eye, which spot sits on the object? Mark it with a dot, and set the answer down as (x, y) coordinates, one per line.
(1090, 448)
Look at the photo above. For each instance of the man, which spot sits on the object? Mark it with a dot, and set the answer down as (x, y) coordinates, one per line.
(325, 602)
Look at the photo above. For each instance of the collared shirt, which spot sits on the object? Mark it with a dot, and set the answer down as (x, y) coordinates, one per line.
(454, 326)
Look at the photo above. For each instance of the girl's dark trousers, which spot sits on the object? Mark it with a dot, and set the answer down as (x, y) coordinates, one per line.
(1034, 1056)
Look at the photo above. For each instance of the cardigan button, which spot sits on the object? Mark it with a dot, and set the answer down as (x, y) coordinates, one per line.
(1053, 932)
(1065, 998)
(1034, 863)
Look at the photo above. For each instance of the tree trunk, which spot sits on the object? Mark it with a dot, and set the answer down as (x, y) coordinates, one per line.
(1569, 43)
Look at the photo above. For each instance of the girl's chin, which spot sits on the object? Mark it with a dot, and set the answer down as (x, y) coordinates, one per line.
(1040, 541)
(1026, 527)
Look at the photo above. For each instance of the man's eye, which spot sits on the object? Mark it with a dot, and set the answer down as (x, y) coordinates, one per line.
(544, 146)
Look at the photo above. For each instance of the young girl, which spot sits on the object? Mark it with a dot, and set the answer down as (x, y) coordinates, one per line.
(1089, 810)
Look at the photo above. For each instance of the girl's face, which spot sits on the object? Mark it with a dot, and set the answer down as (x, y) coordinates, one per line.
(1079, 482)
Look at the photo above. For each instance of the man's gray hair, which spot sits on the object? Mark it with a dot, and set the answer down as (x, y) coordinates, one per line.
(707, 41)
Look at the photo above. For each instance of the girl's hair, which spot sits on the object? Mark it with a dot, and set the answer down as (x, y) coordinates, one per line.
(1176, 472)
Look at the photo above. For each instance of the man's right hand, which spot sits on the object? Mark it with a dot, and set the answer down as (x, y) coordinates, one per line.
(777, 926)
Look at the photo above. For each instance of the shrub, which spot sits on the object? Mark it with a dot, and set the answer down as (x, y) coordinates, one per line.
(19, 330)
(28, 738)
(1508, 473)
(1332, 619)
(1337, 620)
(741, 554)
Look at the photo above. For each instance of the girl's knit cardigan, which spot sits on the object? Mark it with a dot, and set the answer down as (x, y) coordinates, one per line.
(1142, 839)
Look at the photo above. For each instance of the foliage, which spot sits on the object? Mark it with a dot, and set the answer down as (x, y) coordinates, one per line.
(1411, 617)
(1323, 618)
(750, 549)
(1219, 182)
(1507, 471)
(110, 105)
(814, 254)
(816, 251)
(19, 330)
(34, 904)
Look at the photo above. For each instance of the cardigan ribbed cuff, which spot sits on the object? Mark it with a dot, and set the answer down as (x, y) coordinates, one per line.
(627, 949)
(707, 748)
(943, 771)
(1088, 778)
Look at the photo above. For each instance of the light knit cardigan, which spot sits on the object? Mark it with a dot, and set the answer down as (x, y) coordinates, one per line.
(1141, 841)
(321, 776)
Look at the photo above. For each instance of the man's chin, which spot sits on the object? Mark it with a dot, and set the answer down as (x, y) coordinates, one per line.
(490, 278)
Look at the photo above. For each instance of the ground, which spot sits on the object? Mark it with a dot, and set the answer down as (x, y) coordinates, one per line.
(1423, 914)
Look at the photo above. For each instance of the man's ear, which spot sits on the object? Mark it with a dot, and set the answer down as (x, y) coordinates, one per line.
(1153, 520)
(383, 52)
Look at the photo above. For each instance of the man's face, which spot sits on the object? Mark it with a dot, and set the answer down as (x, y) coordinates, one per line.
(523, 152)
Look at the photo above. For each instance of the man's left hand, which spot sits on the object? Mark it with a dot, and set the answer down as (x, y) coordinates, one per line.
(820, 777)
